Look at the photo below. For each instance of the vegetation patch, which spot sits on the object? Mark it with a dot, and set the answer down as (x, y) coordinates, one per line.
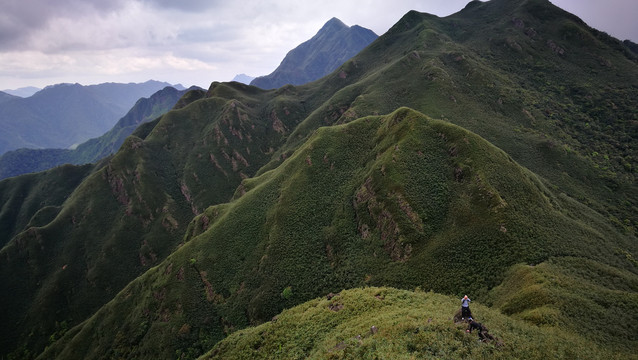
(396, 324)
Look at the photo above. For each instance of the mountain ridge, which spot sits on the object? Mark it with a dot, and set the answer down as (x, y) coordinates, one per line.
(243, 78)
(385, 221)
(23, 91)
(361, 322)
(6, 97)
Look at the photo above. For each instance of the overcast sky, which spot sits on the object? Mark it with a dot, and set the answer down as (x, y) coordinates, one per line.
(195, 42)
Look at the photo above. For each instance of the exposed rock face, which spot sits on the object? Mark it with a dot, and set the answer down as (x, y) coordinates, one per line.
(322, 54)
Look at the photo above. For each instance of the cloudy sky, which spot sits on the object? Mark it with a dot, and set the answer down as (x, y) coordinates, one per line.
(194, 42)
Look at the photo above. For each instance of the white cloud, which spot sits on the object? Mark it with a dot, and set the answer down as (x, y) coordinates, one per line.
(120, 64)
(112, 65)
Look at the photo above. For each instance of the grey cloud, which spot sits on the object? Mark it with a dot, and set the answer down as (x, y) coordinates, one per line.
(186, 6)
(37, 12)
(10, 32)
(213, 33)
(19, 19)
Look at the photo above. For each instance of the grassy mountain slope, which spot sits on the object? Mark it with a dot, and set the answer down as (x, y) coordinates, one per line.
(584, 296)
(398, 199)
(24, 161)
(333, 45)
(537, 106)
(547, 172)
(145, 110)
(36, 198)
(144, 196)
(409, 325)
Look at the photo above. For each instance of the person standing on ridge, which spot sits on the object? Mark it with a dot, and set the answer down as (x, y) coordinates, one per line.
(465, 308)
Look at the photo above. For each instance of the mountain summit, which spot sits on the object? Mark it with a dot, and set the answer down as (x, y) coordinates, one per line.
(333, 45)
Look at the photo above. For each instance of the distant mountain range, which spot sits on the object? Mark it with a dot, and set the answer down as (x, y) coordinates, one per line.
(333, 45)
(23, 91)
(62, 115)
(243, 78)
(22, 161)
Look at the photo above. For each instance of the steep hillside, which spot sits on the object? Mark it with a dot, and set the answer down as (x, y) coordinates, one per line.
(333, 45)
(24, 161)
(35, 199)
(4, 97)
(568, 117)
(143, 198)
(398, 199)
(66, 114)
(517, 163)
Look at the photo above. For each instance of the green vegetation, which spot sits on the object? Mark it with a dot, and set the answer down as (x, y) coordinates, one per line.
(407, 325)
(372, 202)
(577, 294)
(35, 199)
(491, 152)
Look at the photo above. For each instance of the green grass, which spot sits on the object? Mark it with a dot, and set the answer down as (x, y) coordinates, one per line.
(26, 196)
(378, 201)
(594, 299)
(410, 325)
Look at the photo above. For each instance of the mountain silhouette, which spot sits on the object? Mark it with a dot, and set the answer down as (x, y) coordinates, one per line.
(24, 161)
(322, 54)
(63, 115)
(23, 91)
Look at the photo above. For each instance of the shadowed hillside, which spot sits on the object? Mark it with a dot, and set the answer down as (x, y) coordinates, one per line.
(6, 97)
(490, 152)
(35, 199)
(144, 197)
